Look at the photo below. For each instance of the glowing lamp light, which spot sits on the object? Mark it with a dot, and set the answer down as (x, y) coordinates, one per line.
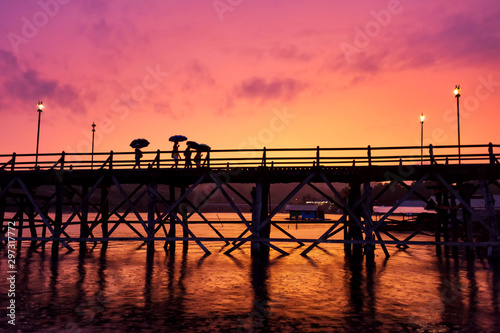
(422, 118)
(457, 90)
(40, 105)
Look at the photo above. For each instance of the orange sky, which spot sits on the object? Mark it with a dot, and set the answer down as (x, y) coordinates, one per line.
(241, 73)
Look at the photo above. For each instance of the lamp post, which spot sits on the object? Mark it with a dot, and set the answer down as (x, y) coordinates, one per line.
(422, 118)
(40, 107)
(457, 95)
(93, 132)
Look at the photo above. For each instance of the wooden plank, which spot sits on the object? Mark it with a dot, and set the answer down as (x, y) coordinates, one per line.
(191, 234)
(42, 216)
(287, 199)
(465, 204)
(406, 196)
(342, 201)
(131, 205)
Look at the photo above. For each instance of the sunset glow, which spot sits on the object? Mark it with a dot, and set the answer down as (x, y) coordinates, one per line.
(247, 74)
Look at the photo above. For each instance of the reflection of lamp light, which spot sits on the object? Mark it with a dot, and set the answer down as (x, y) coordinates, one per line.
(422, 118)
(93, 132)
(40, 107)
(457, 95)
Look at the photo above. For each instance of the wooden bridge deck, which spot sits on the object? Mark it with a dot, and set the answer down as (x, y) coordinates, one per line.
(457, 177)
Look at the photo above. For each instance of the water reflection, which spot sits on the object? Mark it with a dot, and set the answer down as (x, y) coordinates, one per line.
(259, 315)
(122, 287)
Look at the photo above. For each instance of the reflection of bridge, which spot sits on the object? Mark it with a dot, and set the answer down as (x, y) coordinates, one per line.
(35, 198)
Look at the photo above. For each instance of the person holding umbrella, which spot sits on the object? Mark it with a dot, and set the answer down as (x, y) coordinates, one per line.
(188, 152)
(138, 144)
(187, 157)
(197, 158)
(175, 155)
(138, 156)
(175, 151)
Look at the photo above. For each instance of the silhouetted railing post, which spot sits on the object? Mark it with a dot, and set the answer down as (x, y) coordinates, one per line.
(13, 165)
(369, 155)
(111, 160)
(208, 159)
(63, 154)
(493, 158)
(264, 157)
(317, 156)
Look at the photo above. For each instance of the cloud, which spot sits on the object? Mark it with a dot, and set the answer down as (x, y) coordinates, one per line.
(290, 52)
(275, 51)
(21, 85)
(461, 39)
(197, 75)
(261, 89)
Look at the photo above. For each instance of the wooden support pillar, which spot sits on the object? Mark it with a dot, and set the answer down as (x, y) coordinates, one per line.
(31, 221)
(489, 203)
(347, 246)
(367, 212)
(184, 214)
(170, 245)
(466, 194)
(355, 232)
(437, 233)
(104, 214)
(260, 197)
(84, 227)
(58, 217)
(454, 226)
(445, 221)
(44, 230)
(151, 215)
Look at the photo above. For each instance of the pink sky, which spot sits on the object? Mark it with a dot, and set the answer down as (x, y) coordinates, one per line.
(247, 73)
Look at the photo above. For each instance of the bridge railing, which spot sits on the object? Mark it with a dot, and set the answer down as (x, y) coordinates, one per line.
(270, 157)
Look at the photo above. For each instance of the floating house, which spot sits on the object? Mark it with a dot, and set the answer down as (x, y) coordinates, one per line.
(304, 212)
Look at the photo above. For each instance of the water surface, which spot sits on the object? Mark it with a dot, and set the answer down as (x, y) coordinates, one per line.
(121, 288)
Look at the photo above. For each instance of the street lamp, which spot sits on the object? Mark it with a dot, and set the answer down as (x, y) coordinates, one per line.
(93, 132)
(40, 107)
(457, 95)
(422, 118)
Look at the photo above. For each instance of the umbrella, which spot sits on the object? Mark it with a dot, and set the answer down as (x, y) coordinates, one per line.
(139, 143)
(177, 138)
(192, 144)
(203, 147)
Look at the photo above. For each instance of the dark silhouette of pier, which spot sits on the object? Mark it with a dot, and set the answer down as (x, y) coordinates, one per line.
(47, 195)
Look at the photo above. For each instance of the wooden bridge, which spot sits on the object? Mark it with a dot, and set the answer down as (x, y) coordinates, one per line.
(65, 198)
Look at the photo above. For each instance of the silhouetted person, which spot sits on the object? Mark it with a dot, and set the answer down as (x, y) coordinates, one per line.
(138, 155)
(175, 155)
(187, 156)
(197, 159)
